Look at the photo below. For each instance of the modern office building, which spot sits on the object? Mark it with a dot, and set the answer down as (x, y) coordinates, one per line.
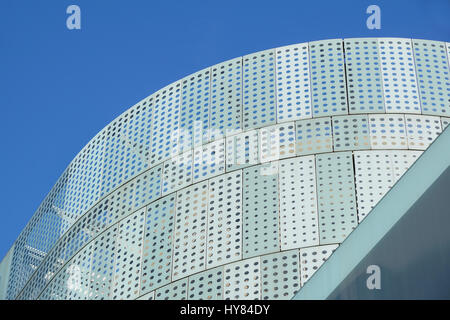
(238, 181)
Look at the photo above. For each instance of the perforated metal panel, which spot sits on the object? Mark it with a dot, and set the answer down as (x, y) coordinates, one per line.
(226, 98)
(277, 142)
(399, 76)
(280, 275)
(293, 83)
(298, 203)
(147, 187)
(225, 219)
(432, 70)
(209, 160)
(336, 196)
(242, 150)
(157, 247)
(387, 131)
(445, 122)
(312, 258)
(402, 160)
(128, 257)
(328, 78)
(165, 121)
(365, 88)
(261, 210)
(259, 89)
(175, 291)
(103, 257)
(351, 133)
(422, 130)
(374, 177)
(177, 172)
(242, 280)
(189, 245)
(148, 296)
(313, 136)
(206, 285)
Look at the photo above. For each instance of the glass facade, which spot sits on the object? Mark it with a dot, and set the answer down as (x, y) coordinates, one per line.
(238, 181)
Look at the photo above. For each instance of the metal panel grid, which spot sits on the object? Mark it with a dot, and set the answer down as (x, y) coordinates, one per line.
(387, 131)
(313, 136)
(351, 133)
(312, 258)
(336, 196)
(374, 175)
(128, 257)
(365, 87)
(261, 223)
(293, 83)
(174, 291)
(157, 248)
(399, 76)
(189, 246)
(103, 259)
(445, 122)
(165, 122)
(225, 219)
(432, 70)
(280, 275)
(277, 142)
(226, 98)
(329, 95)
(298, 203)
(177, 172)
(422, 130)
(259, 89)
(194, 109)
(242, 280)
(206, 285)
(242, 150)
(209, 160)
(147, 186)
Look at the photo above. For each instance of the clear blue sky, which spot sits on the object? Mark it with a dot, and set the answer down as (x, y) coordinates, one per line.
(58, 88)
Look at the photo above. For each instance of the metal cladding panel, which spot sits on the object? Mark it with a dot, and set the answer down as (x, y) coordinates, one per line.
(422, 130)
(259, 89)
(298, 203)
(165, 122)
(432, 70)
(387, 131)
(226, 98)
(351, 132)
(224, 219)
(277, 142)
(329, 95)
(194, 110)
(174, 291)
(206, 285)
(242, 150)
(402, 160)
(445, 122)
(374, 174)
(209, 160)
(147, 187)
(313, 136)
(293, 83)
(157, 246)
(242, 280)
(336, 196)
(399, 76)
(128, 257)
(103, 258)
(312, 258)
(177, 172)
(364, 82)
(280, 276)
(261, 223)
(148, 296)
(189, 245)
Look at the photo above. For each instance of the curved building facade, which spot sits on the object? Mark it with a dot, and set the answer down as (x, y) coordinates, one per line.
(238, 181)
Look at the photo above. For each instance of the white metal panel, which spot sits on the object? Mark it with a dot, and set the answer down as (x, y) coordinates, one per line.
(422, 130)
(387, 131)
(312, 258)
(242, 280)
